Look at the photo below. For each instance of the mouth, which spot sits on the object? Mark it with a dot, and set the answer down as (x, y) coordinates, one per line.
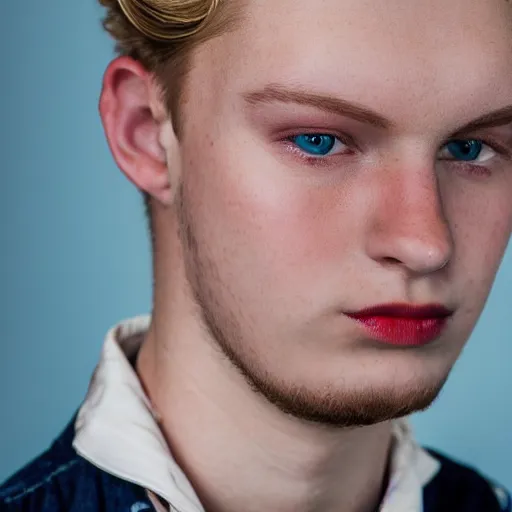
(403, 324)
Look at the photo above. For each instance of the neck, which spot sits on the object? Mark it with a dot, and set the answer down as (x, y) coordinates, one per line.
(239, 451)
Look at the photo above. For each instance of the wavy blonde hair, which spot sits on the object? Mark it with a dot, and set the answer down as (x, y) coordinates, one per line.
(161, 34)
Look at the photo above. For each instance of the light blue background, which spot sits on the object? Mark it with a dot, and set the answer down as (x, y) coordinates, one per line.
(75, 260)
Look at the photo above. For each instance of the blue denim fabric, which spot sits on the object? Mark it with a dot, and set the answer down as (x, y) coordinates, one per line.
(62, 481)
(459, 488)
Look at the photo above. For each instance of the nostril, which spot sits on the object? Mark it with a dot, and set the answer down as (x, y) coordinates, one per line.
(391, 261)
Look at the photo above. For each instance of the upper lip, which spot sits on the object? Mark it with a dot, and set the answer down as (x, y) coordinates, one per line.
(404, 311)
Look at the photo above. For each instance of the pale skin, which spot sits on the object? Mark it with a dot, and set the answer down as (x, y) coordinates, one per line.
(282, 247)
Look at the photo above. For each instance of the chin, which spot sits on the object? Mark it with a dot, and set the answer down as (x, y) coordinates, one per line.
(350, 406)
(344, 395)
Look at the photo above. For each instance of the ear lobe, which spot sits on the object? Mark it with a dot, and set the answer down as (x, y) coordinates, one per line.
(133, 120)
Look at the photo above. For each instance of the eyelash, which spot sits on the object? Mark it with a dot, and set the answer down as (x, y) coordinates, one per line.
(320, 161)
(346, 140)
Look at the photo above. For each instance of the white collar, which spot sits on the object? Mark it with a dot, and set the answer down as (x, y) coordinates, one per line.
(116, 430)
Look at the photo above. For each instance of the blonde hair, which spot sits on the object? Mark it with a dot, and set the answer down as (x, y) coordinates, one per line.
(161, 35)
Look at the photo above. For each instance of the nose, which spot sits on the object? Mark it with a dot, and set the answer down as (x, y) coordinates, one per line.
(408, 224)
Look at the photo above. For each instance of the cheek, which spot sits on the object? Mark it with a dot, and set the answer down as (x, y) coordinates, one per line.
(254, 213)
(481, 223)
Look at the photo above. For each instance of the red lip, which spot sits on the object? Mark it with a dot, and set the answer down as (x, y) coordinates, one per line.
(403, 324)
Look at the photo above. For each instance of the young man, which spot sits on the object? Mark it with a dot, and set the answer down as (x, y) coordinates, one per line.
(330, 192)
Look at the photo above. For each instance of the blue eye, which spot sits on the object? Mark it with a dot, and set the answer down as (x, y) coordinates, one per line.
(315, 143)
(466, 150)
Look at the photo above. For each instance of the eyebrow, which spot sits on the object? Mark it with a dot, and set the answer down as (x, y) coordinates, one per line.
(275, 93)
(501, 117)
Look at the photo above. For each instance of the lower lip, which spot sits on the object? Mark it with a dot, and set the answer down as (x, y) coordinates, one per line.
(405, 332)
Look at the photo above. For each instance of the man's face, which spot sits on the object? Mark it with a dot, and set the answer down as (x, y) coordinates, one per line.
(298, 213)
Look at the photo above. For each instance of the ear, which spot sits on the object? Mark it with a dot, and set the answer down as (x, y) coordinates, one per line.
(138, 128)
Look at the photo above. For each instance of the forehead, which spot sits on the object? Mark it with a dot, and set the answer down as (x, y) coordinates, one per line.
(385, 53)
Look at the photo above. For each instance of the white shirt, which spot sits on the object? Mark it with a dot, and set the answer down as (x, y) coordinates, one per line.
(117, 431)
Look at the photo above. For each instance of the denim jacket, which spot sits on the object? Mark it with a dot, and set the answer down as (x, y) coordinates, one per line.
(62, 481)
